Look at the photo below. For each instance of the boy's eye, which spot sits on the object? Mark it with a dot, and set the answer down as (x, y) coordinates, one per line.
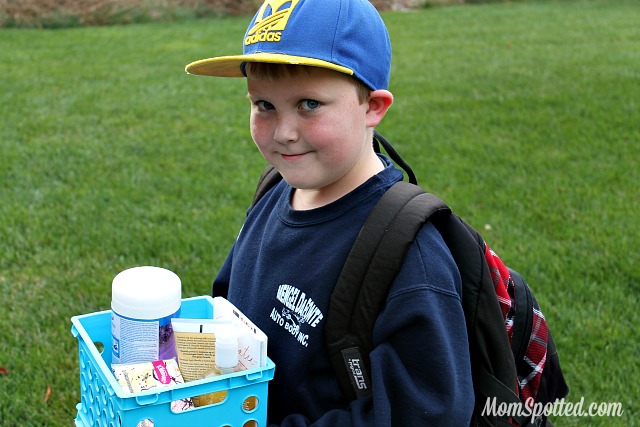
(309, 104)
(264, 105)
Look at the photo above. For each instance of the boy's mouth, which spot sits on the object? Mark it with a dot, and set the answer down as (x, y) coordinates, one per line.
(292, 157)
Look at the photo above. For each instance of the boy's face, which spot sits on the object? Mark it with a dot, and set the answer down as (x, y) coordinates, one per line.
(313, 129)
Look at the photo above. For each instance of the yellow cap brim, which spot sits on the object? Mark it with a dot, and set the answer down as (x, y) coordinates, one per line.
(231, 66)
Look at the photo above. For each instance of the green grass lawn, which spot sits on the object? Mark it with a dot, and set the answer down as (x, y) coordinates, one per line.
(525, 117)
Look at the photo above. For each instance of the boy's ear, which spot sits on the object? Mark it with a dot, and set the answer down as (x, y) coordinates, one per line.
(379, 102)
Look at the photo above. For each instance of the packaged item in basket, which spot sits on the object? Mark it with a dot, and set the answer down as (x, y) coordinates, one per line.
(252, 342)
(138, 377)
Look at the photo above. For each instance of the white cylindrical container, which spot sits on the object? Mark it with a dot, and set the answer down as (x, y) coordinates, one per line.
(226, 351)
(143, 302)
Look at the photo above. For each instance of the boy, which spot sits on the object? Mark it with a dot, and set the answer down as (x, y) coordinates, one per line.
(314, 122)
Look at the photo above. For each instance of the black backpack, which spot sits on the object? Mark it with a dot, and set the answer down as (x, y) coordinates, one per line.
(502, 367)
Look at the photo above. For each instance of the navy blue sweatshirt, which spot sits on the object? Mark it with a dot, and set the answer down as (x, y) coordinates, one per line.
(281, 272)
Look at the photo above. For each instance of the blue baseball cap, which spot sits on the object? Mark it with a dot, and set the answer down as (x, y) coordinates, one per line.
(348, 36)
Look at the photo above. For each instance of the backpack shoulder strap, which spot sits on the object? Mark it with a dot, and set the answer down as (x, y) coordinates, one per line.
(369, 270)
(269, 178)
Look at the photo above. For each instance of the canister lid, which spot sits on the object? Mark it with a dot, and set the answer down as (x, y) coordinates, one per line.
(146, 293)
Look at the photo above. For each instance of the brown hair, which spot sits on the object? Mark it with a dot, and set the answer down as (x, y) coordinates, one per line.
(270, 72)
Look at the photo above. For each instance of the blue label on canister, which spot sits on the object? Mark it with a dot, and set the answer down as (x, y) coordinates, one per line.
(142, 340)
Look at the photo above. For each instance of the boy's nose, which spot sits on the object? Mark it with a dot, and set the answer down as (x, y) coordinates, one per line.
(286, 130)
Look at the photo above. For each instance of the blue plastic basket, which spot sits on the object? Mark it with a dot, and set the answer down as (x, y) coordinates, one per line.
(104, 404)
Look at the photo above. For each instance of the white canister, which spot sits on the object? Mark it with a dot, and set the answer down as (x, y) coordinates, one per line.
(143, 302)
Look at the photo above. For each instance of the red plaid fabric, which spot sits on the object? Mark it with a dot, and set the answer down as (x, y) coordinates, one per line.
(536, 353)
(501, 281)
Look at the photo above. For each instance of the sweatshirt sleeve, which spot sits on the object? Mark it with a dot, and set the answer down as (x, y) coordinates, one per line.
(421, 369)
(420, 365)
